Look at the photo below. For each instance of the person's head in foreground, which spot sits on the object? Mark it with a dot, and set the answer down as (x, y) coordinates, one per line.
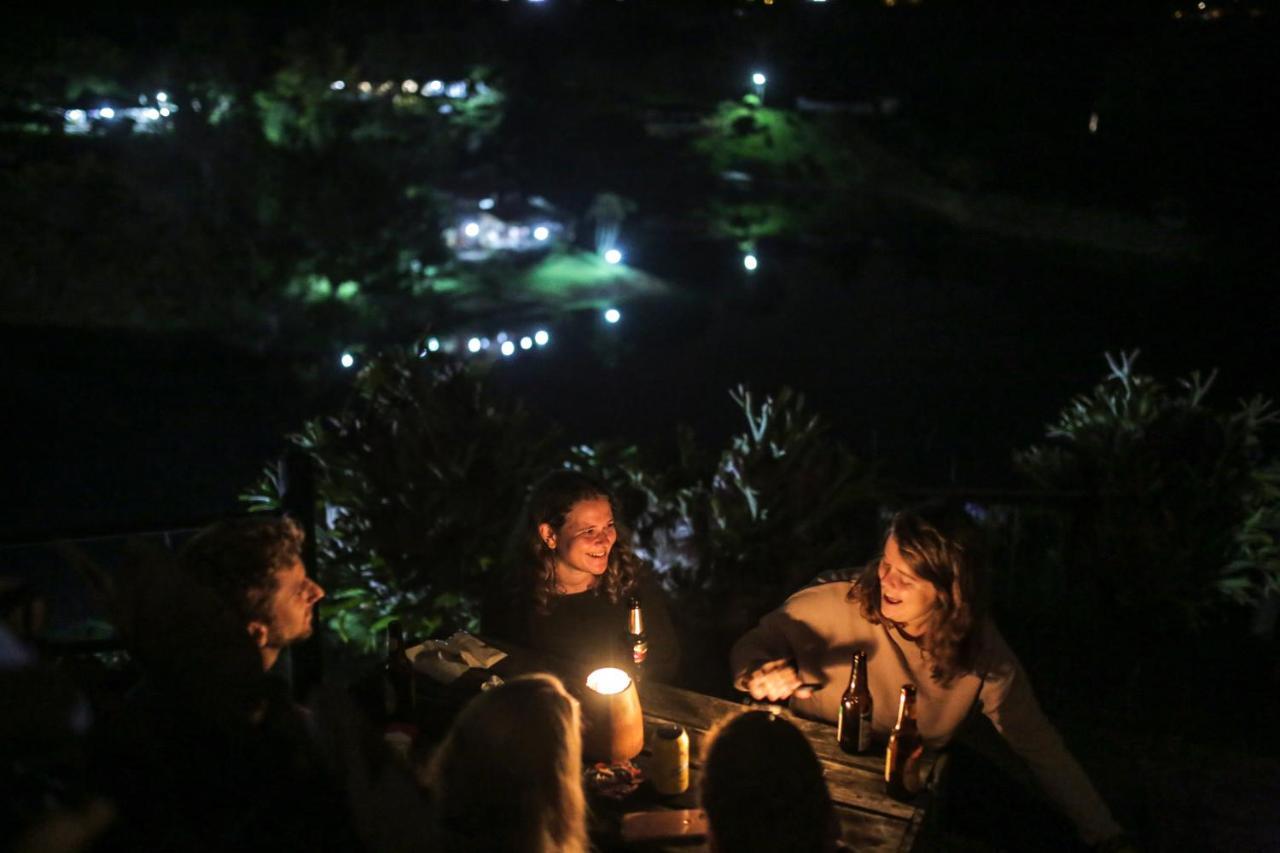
(571, 540)
(255, 565)
(928, 582)
(762, 788)
(509, 773)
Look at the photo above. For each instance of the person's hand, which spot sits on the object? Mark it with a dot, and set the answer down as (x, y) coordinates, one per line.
(776, 681)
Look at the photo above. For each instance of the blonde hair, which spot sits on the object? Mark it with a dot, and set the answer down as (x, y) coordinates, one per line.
(509, 773)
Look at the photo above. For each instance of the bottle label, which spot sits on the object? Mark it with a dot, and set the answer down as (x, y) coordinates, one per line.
(639, 651)
(864, 732)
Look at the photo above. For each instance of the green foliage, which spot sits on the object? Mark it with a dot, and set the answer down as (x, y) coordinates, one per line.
(418, 479)
(1180, 513)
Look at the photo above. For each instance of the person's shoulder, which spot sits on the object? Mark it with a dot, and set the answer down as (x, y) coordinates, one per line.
(824, 592)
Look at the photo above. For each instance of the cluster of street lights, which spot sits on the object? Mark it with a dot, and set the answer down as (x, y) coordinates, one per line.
(144, 116)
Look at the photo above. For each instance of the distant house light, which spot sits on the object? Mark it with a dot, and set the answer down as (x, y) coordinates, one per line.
(348, 360)
(526, 342)
(473, 345)
(161, 97)
(433, 87)
(457, 90)
(750, 262)
(338, 85)
(409, 86)
(433, 344)
(612, 315)
(76, 116)
(613, 256)
(541, 233)
(365, 86)
(164, 111)
(445, 109)
(107, 112)
(758, 79)
(471, 229)
(151, 114)
(508, 349)
(541, 337)
(487, 203)
(1093, 122)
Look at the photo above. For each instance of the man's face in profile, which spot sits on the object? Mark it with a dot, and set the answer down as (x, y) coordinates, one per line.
(292, 606)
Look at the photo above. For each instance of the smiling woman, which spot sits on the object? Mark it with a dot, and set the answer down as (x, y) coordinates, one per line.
(917, 613)
(572, 578)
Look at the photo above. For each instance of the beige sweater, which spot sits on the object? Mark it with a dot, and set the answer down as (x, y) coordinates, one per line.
(819, 627)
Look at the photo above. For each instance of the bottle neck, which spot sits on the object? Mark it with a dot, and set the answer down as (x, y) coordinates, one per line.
(636, 621)
(857, 671)
(906, 708)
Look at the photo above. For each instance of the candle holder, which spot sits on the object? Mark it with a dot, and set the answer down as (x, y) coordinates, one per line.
(612, 722)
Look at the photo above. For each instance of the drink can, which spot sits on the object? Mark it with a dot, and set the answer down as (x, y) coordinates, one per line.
(670, 767)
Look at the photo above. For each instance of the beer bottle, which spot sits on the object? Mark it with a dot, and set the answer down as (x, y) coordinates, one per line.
(397, 671)
(899, 768)
(636, 637)
(853, 724)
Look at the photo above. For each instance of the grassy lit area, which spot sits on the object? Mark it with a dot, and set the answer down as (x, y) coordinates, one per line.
(563, 281)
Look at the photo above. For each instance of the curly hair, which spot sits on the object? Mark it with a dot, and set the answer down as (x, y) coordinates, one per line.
(509, 773)
(550, 502)
(943, 547)
(240, 558)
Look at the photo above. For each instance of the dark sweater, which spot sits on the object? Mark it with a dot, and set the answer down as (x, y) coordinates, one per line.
(587, 628)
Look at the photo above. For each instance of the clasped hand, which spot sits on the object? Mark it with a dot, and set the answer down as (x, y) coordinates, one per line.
(776, 681)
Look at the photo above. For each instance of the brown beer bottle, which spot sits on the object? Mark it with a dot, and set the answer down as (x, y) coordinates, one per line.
(637, 640)
(853, 724)
(898, 767)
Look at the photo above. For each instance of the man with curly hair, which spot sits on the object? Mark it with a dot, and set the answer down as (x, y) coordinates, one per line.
(255, 565)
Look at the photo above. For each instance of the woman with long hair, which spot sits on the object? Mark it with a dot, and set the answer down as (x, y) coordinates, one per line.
(918, 611)
(573, 578)
(508, 776)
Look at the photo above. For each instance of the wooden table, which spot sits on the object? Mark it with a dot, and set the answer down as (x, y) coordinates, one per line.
(870, 819)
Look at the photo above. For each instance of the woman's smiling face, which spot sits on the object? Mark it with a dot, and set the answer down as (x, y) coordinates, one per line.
(905, 597)
(582, 544)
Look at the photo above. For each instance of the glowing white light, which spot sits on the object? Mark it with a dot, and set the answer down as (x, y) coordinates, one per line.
(161, 97)
(107, 112)
(409, 86)
(526, 342)
(541, 233)
(541, 337)
(1093, 122)
(487, 203)
(457, 90)
(471, 229)
(433, 344)
(151, 113)
(338, 85)
(473, 345)
(750, 262)
(503, 336)
(347, 360)
(75, 115)
(613, 315)
(485, 343)
(508, 349)
(164, 111)
(758, 79)
(445, 109)
(608, 681)
(365, 86)
(613, 256)
(434, 87)
(1200, 6)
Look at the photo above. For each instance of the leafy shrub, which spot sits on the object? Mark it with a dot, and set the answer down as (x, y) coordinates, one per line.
(418, 479)
(1180, 511)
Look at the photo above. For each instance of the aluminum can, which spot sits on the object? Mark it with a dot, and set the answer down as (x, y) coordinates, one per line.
(669, 770)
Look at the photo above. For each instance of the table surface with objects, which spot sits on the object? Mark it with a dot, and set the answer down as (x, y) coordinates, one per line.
(870, 819)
